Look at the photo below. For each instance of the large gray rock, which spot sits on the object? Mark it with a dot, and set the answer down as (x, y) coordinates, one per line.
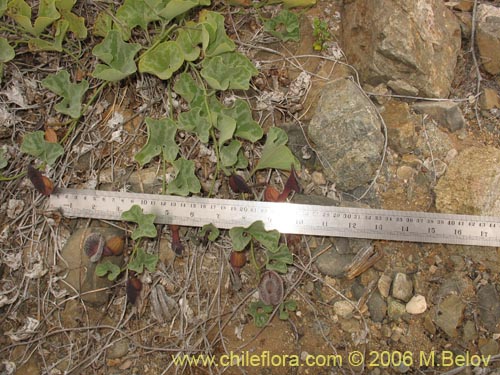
(488, 37)
(399, 40)
(471, 183)
(347, 133)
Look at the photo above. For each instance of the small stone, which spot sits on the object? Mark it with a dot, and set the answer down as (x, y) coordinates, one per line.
(489, 307)
(450, 314)
(470, 332)
(402, 287)
(384, 285)
(333, 264)
(488, 37)
(490, 347)
(405, 173)
(447, 114)
(489, 99)
(429, 325)
(318, 178)
(395, 309)
(377, 307)
(344, 308)
(118, 349)
(401, 87)
(464, 5)
(416, 305)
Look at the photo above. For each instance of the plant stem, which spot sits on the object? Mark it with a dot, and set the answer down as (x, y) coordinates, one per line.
(253, 260)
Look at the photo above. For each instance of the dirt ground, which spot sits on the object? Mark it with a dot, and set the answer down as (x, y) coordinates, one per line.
(210, 315)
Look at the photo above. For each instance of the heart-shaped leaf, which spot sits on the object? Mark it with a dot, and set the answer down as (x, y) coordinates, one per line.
(118, 55)
(186, 87)
(161, 139)
(141, 260)
(145, 222)
(163, 60)
(210, 231)
(215, 39)
(275, 153)
(229, 153)
(240, 237)
(3, 6)
(106, 267)
(246, 127)
(185, 181)
(20, 12)
(72, 93)
(36, 145)
(138, 13)
(226, 126)
(230, 70)
(284, 26)
(7, 53)
(188, 40)
(76, 23)
(47, 14)
(279, 259)
(197, 121)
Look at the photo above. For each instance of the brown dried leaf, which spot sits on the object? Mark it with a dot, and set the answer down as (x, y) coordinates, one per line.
(271, 194)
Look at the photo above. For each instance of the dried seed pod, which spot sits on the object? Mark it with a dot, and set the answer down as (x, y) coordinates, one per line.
(238, 184)
(41, 183)
(134, 287)
(114, 246)
(94, 246)
(177, 245)
(238, 259)
(271, 194)
(50, 135)
(271, 288)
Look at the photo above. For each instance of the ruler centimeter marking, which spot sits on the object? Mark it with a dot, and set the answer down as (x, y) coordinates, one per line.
(285, 217)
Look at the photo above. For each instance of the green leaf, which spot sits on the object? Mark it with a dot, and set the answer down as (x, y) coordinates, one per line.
(72, 93)
(141, 260)
(197, 121)
(260, 313)
(118, 55)
(138, 13)
(3, 157)
(161, 139)
(275, 154)
(185, 181)
(279, 259)
(145, 222)
(35, 144)
(47, 14)
(268, 239)
(284, 26)
(240, 237)
(212, 231)
(229, 153)
(174, 8)
(20, 12)
(3, 6)
(7, 53)
(188, 39)
(163, 60)
(104, 267)
(215, 39)
(226, 126)
(231, 70)
(246, 127)
(186, 87)
(76, 23)
(285, 307)
(242, 161)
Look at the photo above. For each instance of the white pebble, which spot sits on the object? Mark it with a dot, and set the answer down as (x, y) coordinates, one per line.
(416, 305)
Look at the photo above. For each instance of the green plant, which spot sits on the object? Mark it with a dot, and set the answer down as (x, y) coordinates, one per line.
(260, 312)
(138, 259)
(285, 26)
(321, 34)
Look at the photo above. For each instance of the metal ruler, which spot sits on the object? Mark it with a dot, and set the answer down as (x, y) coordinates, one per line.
(285, 217)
